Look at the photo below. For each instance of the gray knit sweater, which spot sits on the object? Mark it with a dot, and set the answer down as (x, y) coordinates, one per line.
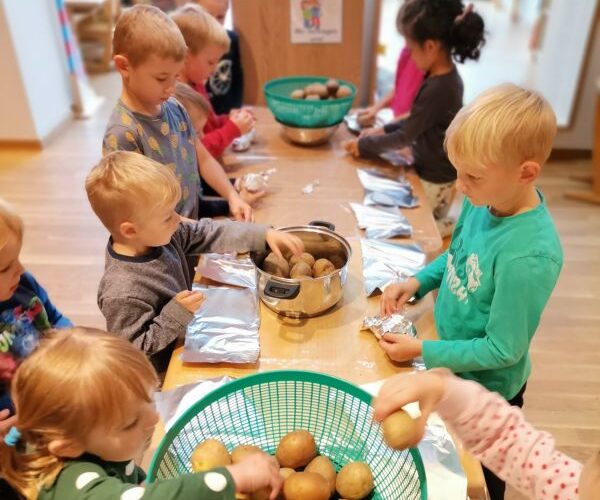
(136, 294)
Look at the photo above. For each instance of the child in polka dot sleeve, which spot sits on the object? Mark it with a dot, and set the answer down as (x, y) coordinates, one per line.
(84, 411)
(495, 432)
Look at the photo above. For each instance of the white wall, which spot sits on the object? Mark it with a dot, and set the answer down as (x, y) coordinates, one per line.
(34, 88)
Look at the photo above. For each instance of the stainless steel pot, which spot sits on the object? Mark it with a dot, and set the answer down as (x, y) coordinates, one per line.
(309, 136)
(307, 297)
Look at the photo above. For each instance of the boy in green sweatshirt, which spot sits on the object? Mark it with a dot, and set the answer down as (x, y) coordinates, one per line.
(505, 256)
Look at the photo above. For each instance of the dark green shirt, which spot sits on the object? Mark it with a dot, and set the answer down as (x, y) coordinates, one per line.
(91, 478)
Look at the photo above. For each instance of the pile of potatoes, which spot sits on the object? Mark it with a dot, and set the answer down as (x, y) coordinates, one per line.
(319, 91)
(306, 474)
(297, 266)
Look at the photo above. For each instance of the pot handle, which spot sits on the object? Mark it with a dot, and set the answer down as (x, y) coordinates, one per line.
(322, 223)
(280, 290)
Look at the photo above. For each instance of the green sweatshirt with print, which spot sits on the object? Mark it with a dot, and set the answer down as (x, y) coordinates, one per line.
(494, 282)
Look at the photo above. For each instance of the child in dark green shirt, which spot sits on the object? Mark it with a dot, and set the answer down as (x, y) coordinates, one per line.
(505, 256)
(84, 409)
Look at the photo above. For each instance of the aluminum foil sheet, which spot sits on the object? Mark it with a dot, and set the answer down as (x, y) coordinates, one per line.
(310, 187)
(228, 269)
(381, 222)
(396, 158)
(254, 182)
(383, 117)
(382, 190)
(243, 143)
(395, 323)
(225, 328)
(385, 263)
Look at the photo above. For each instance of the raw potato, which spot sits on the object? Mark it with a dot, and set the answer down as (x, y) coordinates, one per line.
(296, 449)
(305, 256)
(323, 466)
(322, 267)
(305, 486)
(400, 430)
(209, 454)
(297, 94)
(301, 270)
(242, 451)
(354, 481)
(343, 91)
(332, 86)
(276, 266)
(318, 89)
(312, 97)
(286, 472)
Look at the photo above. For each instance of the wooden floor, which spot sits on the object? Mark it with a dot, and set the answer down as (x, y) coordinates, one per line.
(64, 248)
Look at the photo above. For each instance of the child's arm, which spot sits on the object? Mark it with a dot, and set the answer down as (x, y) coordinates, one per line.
(55, 317)
(522, 287)
(424, 114)
(215, 176)
(495, 432)
(218, 140)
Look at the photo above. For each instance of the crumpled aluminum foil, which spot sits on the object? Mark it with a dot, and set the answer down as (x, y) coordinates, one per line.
(381, 222)
(385, 263)
(243, 143)
(310, 187)
(225, 328)
(382, 117)
(228, 269)
(382, 190)
(254, 181)
(395, 323)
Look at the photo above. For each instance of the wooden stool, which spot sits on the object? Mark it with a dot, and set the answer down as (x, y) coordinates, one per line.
(593, 195)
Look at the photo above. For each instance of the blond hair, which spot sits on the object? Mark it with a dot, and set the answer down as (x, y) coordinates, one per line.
(125, 186)
(505, 125)
(75, 381)
(144, 30)
(200, 29)
(10, 222)
(191, 99)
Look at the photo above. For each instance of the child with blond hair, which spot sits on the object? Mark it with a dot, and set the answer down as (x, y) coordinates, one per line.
(505, 255)
(495, 432)
(84, 401)
(26, 312)
(148, 51)
(146, 292)
(207, 41)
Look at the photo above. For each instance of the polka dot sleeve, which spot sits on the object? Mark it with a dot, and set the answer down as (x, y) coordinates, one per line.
(498, 435)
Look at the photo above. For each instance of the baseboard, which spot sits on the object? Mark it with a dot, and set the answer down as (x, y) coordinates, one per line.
(564, 154)
(37, 144)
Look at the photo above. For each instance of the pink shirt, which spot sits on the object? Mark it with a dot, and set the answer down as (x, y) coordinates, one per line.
(408, 82)
(498, 435)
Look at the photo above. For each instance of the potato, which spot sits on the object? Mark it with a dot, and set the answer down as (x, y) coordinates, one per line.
(301, 270)
(323, 466)
(276, 266)
(209, 454)
(305, 257)
(286, 472)
(354, 481)
(332, 86)
(318, 89)
(296, 449)
(312, 97)
(338, 261)
(297, 94)
(343, 91)
(242, 451)
(322, 267)
(400, 430)
(305, 486)
(365, 120)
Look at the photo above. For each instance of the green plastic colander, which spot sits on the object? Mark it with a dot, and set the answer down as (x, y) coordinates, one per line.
(302, 113)
(260, 409)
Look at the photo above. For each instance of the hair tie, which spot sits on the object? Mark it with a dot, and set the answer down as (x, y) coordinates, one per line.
(463, 14)
(12, 436)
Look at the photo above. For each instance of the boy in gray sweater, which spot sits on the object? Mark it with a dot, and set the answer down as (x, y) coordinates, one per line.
(145, 293)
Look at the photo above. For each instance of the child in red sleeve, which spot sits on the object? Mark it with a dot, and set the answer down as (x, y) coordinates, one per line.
(207, 42)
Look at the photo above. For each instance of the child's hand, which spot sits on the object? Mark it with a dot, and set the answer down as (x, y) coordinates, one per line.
(351, 147)
(6, 422)
(371, 131)
(256, 472)
(244, 121)
(278, 239)
(366, 117)
(239, 208)
(251, 197)
(190, 300)
(397, 295)
(401, 347)
(427, 388)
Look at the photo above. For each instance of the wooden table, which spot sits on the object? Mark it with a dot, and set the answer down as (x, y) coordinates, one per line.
(331, 343)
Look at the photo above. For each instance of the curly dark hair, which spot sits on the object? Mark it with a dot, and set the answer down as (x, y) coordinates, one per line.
(459, 29)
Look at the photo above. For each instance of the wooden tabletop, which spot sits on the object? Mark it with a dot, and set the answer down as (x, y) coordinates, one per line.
(331, 343)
